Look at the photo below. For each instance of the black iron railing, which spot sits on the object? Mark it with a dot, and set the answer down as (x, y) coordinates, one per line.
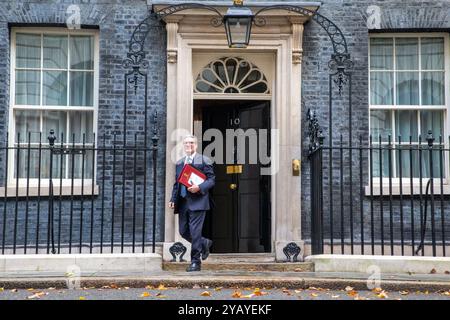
(88, 196)
(379, 197)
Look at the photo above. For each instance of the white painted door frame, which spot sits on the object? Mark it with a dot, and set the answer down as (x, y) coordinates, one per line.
(286, 47)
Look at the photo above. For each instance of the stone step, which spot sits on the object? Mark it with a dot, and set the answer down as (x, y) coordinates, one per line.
(248, 265)
(240, 257)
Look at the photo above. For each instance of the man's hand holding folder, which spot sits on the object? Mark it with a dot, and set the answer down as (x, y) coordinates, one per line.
(191, 178)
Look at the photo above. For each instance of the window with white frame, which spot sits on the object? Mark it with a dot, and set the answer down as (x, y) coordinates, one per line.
(408, 97)
(54, 82)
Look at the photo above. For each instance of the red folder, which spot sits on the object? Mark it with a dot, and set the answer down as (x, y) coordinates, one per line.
(190, 175)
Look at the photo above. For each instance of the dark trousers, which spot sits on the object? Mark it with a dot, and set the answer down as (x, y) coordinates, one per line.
(190, 226)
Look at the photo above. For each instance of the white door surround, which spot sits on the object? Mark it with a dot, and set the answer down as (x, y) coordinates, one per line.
(190, 35)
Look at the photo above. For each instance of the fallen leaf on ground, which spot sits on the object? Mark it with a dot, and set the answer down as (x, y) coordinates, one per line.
(335, 296)
(114, 286)
(382, 295)
(160, 295)
(196, 286)
(14, 290)
(145, 294)
(161, 287)
(236, 294)
(149, 287)
(312, 288)
(82, 298)
(218, 289)
(314, 295)
(37, 295)
(447, 272)
(298, 291)
(51, 288)
(2, 289)
(358, 297)
(287, 292)
(257, 292)
(404, 293)
(30, 289)
(348, 288)
(433, 271)
(352, 293)
(377, 290)
(205, 294)
(446, 293)
(298, 270)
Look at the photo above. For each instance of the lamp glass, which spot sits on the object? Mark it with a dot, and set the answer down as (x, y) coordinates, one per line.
(238, 31)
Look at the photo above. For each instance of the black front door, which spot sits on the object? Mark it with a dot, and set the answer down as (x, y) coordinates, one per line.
(240, 221)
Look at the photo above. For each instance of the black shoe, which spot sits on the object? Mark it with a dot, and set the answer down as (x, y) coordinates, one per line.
(205, 252)
(194, 266)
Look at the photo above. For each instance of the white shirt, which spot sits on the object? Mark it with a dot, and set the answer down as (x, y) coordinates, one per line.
(189, 157)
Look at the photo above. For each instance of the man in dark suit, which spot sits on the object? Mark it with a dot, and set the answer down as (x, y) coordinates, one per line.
(193, 202)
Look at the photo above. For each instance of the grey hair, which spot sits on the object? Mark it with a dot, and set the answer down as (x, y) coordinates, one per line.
(191, 137)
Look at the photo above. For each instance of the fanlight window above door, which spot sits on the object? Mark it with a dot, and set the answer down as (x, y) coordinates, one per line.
(231, 75)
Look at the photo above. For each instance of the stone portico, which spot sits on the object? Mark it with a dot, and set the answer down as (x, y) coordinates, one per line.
(191, 41)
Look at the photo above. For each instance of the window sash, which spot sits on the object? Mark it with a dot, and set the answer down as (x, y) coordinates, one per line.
(91, 109)
(418, 107)
(394, 71)
(69, 70)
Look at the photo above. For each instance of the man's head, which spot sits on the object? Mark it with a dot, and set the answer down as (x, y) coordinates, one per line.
(190, 144)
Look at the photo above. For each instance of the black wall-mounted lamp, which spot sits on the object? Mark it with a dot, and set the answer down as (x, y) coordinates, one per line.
(238, 25)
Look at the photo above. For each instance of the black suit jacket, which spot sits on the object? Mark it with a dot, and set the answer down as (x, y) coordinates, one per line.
(200, 201)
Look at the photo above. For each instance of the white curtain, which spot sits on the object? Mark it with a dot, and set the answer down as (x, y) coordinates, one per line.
(407, 88)
(407, 53)
(381, 88)
(55, 88)
(28, 55)
(27, 121)
(406, 125)
(433, 88)
(381, 54)
(81, 124)
(27, 87)
(380, 125)
(81, 88)
(55, 51)
(28, 50)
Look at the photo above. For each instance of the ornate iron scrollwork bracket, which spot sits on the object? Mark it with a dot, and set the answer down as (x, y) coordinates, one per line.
(340, 66)
(340, 63)
(291, 250)
(215, 21)
(135, 59)
(315, 135)
(177, 249)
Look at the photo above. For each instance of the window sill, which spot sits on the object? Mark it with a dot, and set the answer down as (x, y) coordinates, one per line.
(406, 189)
(21, 192)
